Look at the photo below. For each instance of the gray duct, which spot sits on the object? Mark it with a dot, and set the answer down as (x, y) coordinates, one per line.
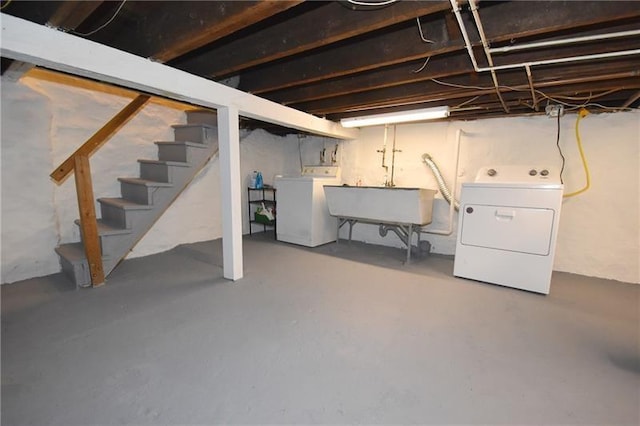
(440, 180)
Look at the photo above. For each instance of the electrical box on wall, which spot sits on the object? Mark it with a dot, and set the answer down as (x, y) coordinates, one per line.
(554, 110)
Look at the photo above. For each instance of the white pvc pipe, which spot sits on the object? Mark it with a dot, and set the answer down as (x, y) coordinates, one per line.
(570, 40)
(564, 60)
(452, 204)
(485, 46)
(465, 36)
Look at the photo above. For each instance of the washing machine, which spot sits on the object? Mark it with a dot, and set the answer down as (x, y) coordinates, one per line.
(508, 226)
(303, 216)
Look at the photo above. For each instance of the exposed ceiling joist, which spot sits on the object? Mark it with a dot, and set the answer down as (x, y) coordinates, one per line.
(322, 57)
(25, 41)
(325, 25)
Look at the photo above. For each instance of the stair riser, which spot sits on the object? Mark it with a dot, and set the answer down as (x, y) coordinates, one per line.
(137, 193)
(156, 172)
(201, 117)
(162, 172)
(110, 245)
(77, 272)
(181, 153)
(120, 217)
(195, 134)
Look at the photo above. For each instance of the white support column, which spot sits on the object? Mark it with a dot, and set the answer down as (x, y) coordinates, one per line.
(229, 155)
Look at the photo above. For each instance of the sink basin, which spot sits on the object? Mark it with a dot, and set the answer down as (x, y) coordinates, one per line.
(381, 204)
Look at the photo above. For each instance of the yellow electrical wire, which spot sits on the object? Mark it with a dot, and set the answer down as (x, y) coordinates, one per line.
(581, 114)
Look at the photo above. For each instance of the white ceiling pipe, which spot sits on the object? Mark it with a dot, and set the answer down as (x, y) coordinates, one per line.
(485, 46)
(571, 40)
(533, 92)
(465, 36)
(565, 60)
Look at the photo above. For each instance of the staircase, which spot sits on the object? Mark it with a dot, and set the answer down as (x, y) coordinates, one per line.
(144, 199)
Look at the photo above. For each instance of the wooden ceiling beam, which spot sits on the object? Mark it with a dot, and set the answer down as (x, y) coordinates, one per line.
(68, 16)
(438, 66)
(431, 91)
(231, 17)
(71, 14)
(634, 97)
(508, 21)
(173, 28)
(319, 27)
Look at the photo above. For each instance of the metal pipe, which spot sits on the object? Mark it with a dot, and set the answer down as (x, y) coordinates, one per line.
(570, 40)
(384, 153)
(393, 157)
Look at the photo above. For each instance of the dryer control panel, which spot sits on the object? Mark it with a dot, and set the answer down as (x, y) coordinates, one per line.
(518, 174)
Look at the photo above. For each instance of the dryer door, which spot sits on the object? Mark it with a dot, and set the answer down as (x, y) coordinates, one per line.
(517, 229)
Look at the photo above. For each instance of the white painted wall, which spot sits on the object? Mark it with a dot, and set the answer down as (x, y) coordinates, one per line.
(599, 230)
(43, 122)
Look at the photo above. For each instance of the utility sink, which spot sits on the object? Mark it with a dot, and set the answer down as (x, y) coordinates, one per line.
(381, 204)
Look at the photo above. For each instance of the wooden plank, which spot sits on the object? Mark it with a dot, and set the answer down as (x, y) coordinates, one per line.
(437, 67)
(88, 223)
(431, 91)
(57, 50)
(100, 137)
(71, 14)
(186, 41)
(17, 69)
(372, 53)
(507, 21)
(631, 100)
(304, 33)
(97, 86)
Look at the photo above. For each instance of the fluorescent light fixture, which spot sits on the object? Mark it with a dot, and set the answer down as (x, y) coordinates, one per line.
(397, 117)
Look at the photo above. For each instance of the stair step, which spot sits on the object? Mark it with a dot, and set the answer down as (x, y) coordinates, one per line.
(182, 143)
(122, 212)
(74, 263)
(166, 163)
(145, 182)
(74, 252)
(107, 229)
(123, 204)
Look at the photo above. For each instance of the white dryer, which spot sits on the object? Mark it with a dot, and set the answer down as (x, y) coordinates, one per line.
(508, 226)
(303, 216)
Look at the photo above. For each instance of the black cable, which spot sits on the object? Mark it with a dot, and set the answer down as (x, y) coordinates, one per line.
(560, 149)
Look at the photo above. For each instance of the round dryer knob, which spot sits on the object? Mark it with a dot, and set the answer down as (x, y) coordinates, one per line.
(533, 172)
(544, 172)
(492, 172)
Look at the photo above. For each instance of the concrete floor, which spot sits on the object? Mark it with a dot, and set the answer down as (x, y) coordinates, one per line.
(342, 334)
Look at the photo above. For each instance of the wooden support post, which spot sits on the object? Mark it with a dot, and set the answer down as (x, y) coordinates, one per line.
(100, 137)
(88, 223)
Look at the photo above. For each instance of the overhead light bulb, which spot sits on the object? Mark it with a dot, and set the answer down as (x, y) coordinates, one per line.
(396, 117)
